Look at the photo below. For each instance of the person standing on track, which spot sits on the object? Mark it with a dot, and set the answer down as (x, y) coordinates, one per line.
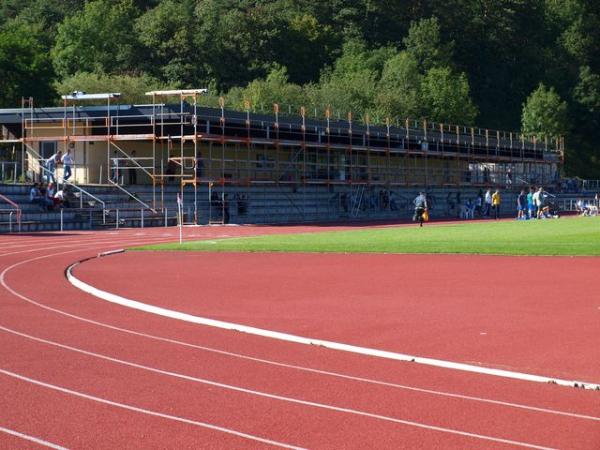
(420, 208)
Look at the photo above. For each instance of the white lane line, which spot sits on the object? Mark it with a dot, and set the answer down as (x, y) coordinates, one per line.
(65, 245)
(279, 397)
(157, 310)
(148, 411)
(31, 438)
(265, 361)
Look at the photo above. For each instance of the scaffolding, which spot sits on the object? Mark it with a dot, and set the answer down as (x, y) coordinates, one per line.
(211, 149)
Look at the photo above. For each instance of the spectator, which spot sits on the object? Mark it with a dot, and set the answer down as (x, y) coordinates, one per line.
(467, 210)
(51, 166)
(508, 178)
(488, 203)
(67, 197)
(50, 195)
(496, 200)
(530, 203)
(36, 197)
(420, 207)
(538, 200)
(132, 170)
(522, 205)
(479, 203)
(67, 161)
(114, 162)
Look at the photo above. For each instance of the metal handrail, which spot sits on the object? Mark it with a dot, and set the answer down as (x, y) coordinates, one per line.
(132, 195)
(15, 207)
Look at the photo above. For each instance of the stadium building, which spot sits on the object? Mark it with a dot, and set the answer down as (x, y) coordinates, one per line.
(279, 167)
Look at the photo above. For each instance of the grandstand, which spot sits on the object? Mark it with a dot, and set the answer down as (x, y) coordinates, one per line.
(250, 167)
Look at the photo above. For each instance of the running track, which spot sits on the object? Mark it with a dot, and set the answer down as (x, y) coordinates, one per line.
(78, 372)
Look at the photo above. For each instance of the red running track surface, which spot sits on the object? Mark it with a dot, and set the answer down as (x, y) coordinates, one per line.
(82, 373)
(491, 311)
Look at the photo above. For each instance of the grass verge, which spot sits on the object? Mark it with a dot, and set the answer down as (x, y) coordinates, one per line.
(568, 237)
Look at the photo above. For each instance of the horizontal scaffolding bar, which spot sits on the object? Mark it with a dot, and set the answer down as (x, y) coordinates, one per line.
(179, 92)
(84, 96)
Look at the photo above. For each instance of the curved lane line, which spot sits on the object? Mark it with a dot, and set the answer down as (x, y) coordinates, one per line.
(264, 361)
(26, 437)
(147, 411)
(279, 397)
(157, 310)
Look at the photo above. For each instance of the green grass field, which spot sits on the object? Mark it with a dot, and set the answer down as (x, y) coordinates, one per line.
(567, 236)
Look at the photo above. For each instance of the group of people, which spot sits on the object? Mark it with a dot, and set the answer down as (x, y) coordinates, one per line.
(588, 208)
(534, 205)
(57, 159)
(485, 205)
(49, 198)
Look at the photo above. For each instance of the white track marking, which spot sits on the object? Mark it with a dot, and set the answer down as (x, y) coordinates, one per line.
(279, 397)
(320, 372)
(149, 412)
(134, 304)
(65, 245)
(32, 439)
(265, 361)
(265, 395)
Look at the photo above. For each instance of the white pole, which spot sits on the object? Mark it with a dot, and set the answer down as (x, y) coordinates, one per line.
(61, 221)
(180, 213)
(142, 214)
(10, 222)
(117, 220)
(166, 218)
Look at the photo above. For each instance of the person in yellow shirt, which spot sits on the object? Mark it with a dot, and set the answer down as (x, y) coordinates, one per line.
(496, 200)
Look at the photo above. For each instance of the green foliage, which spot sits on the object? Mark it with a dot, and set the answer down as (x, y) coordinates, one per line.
(132, 87)
(263, 93)
(424, 44)
(168, 33)
(445, 97)
(399, 89)
(587, 90)
(544, 113)
(25, 67)
(101, 38)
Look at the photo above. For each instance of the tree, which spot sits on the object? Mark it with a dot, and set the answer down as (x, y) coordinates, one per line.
(263, 93)
(424, 44)
(399, 89)
(544, 114)
(587, 90)
(25, 67)
(446, 97)
(168, 34)
(101, 38)
(351, 84)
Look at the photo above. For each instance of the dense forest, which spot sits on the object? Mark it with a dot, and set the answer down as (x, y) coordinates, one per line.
(530, 65)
